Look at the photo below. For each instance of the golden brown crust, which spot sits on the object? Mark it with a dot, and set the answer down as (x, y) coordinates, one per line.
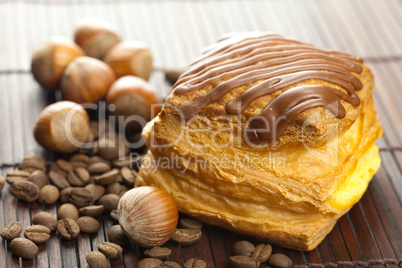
(291, 193)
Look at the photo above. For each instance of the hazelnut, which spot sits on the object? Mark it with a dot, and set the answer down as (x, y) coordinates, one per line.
(62, 127)
(96, 37)
(147, 215)
(130, 58)
(86, 80)
(50, 59)
(132, 96)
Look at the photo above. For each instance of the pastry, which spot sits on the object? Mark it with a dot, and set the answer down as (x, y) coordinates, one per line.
(268, 137)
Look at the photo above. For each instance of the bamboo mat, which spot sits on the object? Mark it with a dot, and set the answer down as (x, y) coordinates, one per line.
(176, 32)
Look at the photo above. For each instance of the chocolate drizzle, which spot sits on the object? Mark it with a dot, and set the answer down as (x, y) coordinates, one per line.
(273, 63)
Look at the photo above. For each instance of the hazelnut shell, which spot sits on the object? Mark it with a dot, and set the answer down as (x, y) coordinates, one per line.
(86, 80)
(54, 131)
(96, 37)
(148, 215)
(51, 58)
(130, 58)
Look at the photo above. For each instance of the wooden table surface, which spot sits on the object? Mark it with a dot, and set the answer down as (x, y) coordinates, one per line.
(176, 32)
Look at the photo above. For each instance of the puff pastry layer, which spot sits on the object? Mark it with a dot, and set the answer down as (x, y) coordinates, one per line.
(289, 186)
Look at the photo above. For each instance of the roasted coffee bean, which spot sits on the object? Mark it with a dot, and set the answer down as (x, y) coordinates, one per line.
(172, 75)
(158, 253)
(36, 158)
(59, 180)
(96, 190)
(120, 163)
(98, 159)
(55, 168)
(129, 176)
(81, 197)
(67, 211)
(96, 259)
(113, 188)
(262, 252)
(11, 230)
(68, 228)
(107, 177)
(92, 211)
(38, 234)
(80, 158)
(195, 263)
(38, 177)
(149, 263)
(64, 165)
(25, 190)
(88, 225)
(78, 177)
(65, 194)
(17, 175)
(110, 250)
(280, 260)
(123, 190)
(24, 248)
(2, 182)
(243, 248)
(109, 201)
(243, 262)
(169, 264)
(113, 148)
(117, 236)
(114, 215)
(77, 164)
(30, 165)
(49, 194)
(190, 223)
(98, 168)
(186, 237)
(46, 219)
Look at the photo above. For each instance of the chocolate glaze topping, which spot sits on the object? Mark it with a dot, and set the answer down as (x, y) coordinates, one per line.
(273, 63)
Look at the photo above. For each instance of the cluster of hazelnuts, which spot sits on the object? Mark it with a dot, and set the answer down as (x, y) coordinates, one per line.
(96, 66)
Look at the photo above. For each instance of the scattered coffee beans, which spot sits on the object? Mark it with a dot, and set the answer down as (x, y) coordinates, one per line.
(169, 264)
(280, 260)
(81, 197)
(46, 219)
(243, 262)
(114, 215)
(68, 228)
(195, 263)
(25, 190)
(149, 263)
(58, 179)
(110, 250)
(262, 252)
(243, 248)
(190, 223)
(98, 168)
(24, 248)
(17, 175)
(88, 225)
(92, 211)
(65, 195)
(158, 253)
(49, 194)
(67, 211)
(186, 237)
(117, 236)
(96, 190)
(128, 176)
(38, 177)
(107, 177)
(78, 177)
(96, 259)
(109, 201)
(38, 234)
(11, 231)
